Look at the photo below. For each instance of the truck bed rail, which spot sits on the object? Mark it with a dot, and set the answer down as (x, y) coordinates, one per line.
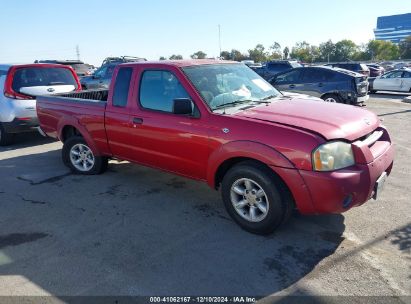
(100, 95)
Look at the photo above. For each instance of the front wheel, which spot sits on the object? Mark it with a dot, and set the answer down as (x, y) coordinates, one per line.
(79, 157)
(331, 98)
(255, 198)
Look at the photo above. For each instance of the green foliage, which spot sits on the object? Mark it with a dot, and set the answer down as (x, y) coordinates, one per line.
(199, 55)
(233, 55)
(382, 50)
(258, 54)
(326, 51)
(305, 52)
(176, 57)
(345, 50)
(405, 48)
(275, 51)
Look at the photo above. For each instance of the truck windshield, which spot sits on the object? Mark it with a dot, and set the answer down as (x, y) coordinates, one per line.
(229, 84)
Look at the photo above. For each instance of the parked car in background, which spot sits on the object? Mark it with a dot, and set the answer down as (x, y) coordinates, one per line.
(327, 83)
(122, 59)
(387, 65)
(375, 69)
(101, 78)
(21, 84)
(220, 123)
(400, 65)
(81, 68)
(396, 80)
(352, 66)
(271, 68)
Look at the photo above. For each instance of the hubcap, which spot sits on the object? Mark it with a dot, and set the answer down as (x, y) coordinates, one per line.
(330, 99)
(82, 157)
(249, 200)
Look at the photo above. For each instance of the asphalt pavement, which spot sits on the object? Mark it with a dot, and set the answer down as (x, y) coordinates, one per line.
(137, 231)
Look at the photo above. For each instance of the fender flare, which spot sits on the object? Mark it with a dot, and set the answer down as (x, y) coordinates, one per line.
(73, 122)
(244, 149)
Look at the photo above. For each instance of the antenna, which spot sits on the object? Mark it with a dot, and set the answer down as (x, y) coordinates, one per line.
(78, 52)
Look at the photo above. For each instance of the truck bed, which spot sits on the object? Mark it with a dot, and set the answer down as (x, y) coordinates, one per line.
(85, 109)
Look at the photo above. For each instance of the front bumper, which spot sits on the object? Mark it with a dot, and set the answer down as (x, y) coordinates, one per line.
(21, 125)
(362, 99)
(338, 191)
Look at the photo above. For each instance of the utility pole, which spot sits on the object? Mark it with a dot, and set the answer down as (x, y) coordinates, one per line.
(78, 52)
(219, 40)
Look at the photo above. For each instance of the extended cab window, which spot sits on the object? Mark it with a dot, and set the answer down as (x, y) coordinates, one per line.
(158, 89)
(122, 87)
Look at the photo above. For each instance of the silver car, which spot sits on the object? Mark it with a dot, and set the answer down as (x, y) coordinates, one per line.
(21, 84)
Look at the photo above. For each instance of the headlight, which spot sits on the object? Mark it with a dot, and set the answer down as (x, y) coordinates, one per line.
(333, 156)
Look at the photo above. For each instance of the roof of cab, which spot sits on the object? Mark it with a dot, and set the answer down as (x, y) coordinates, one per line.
(183, 63)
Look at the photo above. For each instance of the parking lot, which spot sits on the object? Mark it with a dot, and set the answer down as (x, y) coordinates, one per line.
(138, 231)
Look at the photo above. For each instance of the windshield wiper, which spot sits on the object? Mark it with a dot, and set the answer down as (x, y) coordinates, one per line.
(235, 102)
(269, 97)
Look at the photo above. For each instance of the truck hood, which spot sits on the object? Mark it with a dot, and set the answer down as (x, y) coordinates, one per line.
(330, 120)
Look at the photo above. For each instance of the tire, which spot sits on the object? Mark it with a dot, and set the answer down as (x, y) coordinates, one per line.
(77, 155)
(332, 98)
(5, 138)
(274, 199)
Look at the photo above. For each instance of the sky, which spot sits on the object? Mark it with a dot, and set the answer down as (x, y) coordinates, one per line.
(45, 29)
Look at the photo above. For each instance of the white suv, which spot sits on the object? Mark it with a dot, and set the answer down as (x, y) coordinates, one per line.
(20, 85)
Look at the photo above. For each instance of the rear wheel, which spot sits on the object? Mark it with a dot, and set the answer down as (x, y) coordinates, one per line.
(331, 98)
(79, 157)
(5, 138)
(255, 198)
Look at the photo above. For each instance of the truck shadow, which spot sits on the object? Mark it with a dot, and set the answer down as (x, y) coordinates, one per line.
(25, 140)
(138, 231)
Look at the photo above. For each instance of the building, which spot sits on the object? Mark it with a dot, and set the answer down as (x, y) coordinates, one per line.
(393, 28)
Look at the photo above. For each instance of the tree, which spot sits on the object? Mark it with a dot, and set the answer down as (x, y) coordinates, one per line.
(199, 55)
(304, 52)
(327, 51)
(235, 55)
(163, 58)
(286, 51)
(225, 55)
(275, 51)
(345, 50)
(258, 54)
(176, 57)
(382, 50)
(405, 48)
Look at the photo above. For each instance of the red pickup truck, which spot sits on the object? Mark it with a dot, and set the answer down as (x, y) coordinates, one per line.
(221, 123)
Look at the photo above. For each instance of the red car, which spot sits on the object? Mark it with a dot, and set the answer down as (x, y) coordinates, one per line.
(219, 122)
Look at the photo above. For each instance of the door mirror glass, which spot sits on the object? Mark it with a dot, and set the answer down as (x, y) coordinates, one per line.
(182, 106)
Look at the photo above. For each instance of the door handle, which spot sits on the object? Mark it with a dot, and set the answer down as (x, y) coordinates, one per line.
(292, 86)
(137, 121)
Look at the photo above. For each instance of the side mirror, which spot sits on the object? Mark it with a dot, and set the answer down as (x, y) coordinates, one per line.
(182, 106)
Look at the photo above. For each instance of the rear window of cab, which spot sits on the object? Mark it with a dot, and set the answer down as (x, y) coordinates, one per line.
(42, 76)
